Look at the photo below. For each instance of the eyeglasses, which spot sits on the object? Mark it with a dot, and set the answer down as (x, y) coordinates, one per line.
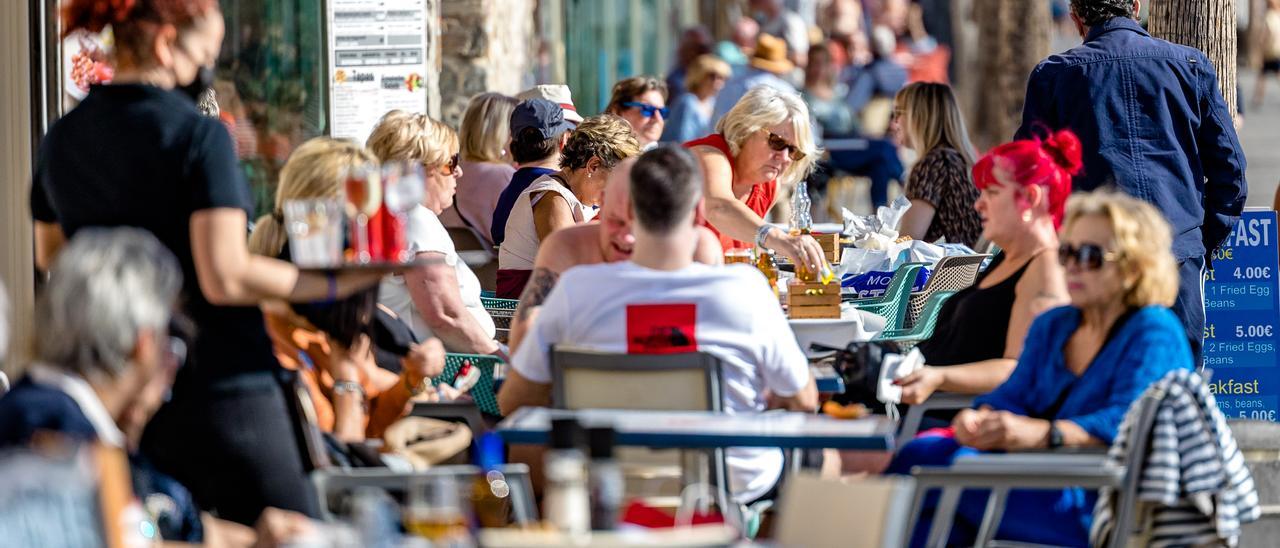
(1087, 256)
(451, 167)
(646, 109)
(778, 144)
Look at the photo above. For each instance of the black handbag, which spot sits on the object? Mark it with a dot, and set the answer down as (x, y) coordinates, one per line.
(859, 365)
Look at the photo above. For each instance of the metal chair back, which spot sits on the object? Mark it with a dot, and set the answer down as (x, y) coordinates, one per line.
(334, 486)
(586, 379)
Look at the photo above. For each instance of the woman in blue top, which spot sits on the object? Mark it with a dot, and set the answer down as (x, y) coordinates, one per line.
(1081, 368)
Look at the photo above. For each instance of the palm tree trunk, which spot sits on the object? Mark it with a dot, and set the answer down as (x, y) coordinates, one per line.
(1207, 25)
(1013, 36)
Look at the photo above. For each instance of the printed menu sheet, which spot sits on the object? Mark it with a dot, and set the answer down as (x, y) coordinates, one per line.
(1242, 320)
(377, 62)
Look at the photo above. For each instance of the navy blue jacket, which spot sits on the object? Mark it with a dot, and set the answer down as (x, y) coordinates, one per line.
(1152, 122)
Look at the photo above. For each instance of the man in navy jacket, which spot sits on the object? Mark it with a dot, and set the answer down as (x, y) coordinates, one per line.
(1154, 125)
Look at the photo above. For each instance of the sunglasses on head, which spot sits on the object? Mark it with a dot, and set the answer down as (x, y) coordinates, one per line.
(779, 144)
(1087, 256)
(646, 109)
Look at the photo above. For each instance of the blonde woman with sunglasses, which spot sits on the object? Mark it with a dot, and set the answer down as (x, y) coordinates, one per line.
(440, 300)
(765, 138)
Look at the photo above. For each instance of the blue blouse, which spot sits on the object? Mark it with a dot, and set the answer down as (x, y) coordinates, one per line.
(1151, 343)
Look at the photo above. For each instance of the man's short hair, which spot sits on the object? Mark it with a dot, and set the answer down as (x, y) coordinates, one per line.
(666, 185)
(529, 146)
(1096, 12)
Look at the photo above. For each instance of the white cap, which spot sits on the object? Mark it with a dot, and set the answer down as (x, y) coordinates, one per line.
(556, 93)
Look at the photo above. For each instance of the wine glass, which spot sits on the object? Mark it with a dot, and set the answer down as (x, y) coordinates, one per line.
(363, 196)
(403, 187)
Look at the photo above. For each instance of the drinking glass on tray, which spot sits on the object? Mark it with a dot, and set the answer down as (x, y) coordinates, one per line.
(363, 198)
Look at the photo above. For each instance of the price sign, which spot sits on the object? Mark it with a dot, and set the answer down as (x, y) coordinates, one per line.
(1242, 319)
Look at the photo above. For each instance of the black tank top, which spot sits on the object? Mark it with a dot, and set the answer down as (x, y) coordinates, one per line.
(974, 323)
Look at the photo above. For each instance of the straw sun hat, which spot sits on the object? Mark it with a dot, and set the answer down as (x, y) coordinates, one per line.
(771, 55)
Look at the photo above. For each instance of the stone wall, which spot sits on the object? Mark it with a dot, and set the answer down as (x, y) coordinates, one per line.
(486, 45)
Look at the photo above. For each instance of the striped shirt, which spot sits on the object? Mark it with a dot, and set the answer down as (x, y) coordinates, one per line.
(1194, 478)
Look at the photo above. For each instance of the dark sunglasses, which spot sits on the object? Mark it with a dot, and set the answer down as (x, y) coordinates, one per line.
(1087, 256)
(646, 109)
(451, 167)
(779, 144)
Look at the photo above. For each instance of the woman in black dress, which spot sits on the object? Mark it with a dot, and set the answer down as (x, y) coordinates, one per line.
(137, 153)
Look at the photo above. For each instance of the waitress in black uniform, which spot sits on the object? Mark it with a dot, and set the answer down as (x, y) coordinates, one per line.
(137, 153)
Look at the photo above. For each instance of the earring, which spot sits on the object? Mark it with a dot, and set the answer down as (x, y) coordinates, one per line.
(1026, 216)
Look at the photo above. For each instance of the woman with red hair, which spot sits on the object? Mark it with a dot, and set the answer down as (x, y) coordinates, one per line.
(137, 153)
(1024, 187)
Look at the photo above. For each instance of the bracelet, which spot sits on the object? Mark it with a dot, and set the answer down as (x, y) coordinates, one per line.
(348, 387)
(762, 233)
(333, 287)
(415, 390)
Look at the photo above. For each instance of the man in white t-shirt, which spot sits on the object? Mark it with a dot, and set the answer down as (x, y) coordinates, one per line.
(607, 239)
(661, 301)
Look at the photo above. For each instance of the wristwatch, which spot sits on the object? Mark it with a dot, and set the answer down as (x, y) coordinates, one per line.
(1055, 435)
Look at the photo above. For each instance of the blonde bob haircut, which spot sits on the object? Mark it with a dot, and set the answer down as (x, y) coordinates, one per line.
(764, 107)
(315, 170)
(1142, 243)
(405, 137)
(931, 115)
(486, 127)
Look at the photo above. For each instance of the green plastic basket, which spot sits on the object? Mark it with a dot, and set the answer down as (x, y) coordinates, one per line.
(483, 392)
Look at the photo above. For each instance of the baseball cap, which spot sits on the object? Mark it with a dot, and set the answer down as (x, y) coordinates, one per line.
(540, 114)
(556, 93)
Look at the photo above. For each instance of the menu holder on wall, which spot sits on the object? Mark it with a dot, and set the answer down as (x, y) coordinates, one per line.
(1242, 319)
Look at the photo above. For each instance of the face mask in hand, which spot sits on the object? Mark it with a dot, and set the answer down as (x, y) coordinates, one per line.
(198, 85)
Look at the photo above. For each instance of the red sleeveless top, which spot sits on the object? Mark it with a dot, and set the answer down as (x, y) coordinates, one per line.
(759, 200)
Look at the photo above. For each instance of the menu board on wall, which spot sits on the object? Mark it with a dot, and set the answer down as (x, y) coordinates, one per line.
(377, 62)
(1242, 320)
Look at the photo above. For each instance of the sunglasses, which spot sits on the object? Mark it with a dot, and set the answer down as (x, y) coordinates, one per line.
(778, 144)
(646, 109)
(451, 167)
(1087, 256)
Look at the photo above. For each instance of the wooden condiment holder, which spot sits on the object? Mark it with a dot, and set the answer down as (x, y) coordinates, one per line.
(830, 244)
(813, 300)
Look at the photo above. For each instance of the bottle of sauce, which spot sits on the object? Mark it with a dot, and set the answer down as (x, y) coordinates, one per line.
(769, 267)
(490, 493)
(802, 224)
(607, 484)
(566, 501)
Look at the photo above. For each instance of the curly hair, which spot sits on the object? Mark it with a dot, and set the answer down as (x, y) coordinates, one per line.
(606, 137)
(1096, 12)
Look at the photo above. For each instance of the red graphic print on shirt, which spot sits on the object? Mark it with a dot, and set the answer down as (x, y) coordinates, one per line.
(661, 328)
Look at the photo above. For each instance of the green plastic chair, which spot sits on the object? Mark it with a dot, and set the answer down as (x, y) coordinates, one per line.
(483, 392)
(924, 325)
(896, 300)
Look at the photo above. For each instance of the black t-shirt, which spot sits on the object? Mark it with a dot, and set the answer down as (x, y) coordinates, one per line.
(142, 156)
